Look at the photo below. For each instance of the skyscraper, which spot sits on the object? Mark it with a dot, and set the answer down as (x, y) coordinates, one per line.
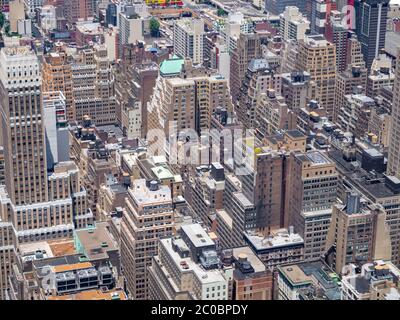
(371, 16)
(22, 126)
(393, 166)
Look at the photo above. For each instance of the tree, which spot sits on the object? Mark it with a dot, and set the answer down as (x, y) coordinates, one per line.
(2, 19)
(154, 27)
(221, 12)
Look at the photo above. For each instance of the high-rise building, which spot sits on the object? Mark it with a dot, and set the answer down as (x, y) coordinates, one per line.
(356, 234)
(57, 76)
(40, 203)
(309, 210)
(393, 166)
(93, 86)
(296, 89)
(346, 82)
(189, 39)
(338, 34)
(24, 145)
(248, 46)
(130, 26)
(78, 10)
(187, 268)
(371, 19)
(293, 25)
(259, 78)
(147, 218)
(276, 7)
(7, 255)
(318, 57)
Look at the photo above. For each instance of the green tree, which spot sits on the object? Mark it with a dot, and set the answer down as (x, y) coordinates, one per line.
(2, 19)
(221, 12)
(154, 27)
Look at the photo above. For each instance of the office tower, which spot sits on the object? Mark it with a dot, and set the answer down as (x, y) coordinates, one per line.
(371, 19)
(320, 12)
(293, 25)
(78, 10)
(355, 113)
(57, 76)
(318, 57)
(379, 123)
(187, 268)
(357, 234)
(338, 34)
(93, 86)
(205, 193)
(24, 145)
(354, 54)
(393, 166)
(248, 46)
(309, 210)
(290, 54)
(144, 80)
(367, 178)
(147, 218)
(92, 158)
(41, 204)
(272, 114)
(376, 281)
(276, 7)
(296, 89)
(7, 255)
(189, 39)
(346, 82)
(111, 14)
(130, 26)
(185, 102)
(17, 12)
(259, 78)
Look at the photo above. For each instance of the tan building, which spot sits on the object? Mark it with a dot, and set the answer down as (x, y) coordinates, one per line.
(17, 12)
(346, 81)
(7, 255)
(357, 235)
(259, 78)
(251, 279)
(248, 46)
(318, 57)
(93, 86)
(312, 190)
(57, 76)
(148, 217)
(78, 10)
(272, 114)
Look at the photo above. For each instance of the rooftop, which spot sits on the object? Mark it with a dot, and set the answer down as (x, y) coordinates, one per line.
(197, 235)
(280, 239)
(171, 66)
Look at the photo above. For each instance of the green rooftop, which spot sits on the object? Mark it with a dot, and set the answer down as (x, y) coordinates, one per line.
(171, 66)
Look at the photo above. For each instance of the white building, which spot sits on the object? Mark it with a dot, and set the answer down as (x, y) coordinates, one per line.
(189, 39)
(293, 25)
(130, 27)
(48, 18)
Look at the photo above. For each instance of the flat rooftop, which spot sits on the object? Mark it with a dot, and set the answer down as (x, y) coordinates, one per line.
(197, 235)
(96, 242)
(255, 262)
(282, 238)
